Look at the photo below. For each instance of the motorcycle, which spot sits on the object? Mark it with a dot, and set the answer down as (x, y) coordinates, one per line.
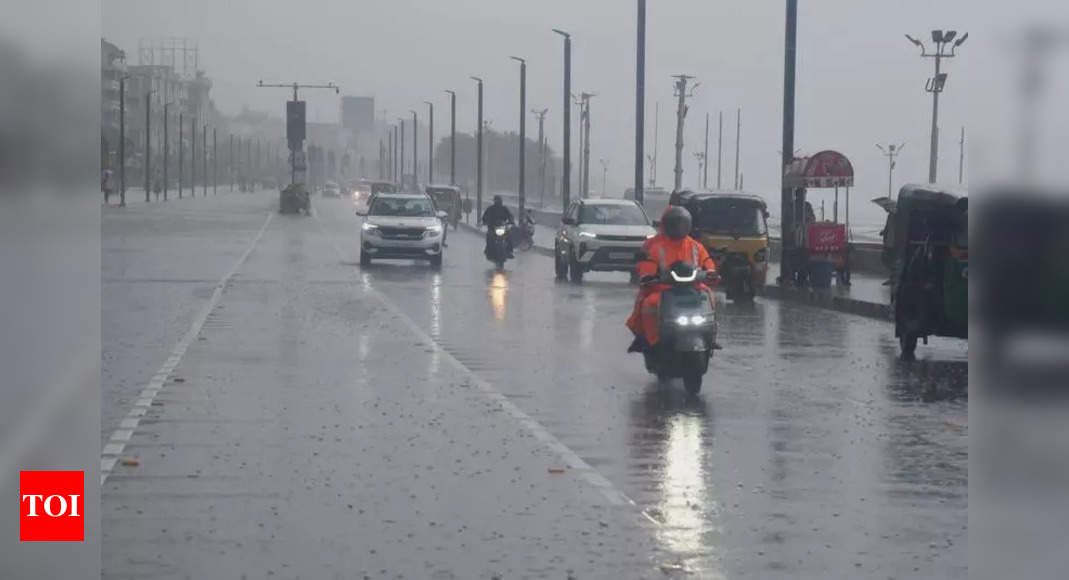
(688, 327)
(497, 250)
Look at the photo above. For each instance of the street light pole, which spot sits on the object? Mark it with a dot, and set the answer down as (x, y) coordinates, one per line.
(181, 151)
(586, 143)
(890, 153)
(942, 40)
(166, 148)
(479, 155)
(719, 147)
(786, 265)
(415, 150)
(640, 101)
(523, 131)
(452, 137)
(401, 159)
(566, 162)
(430, 156)
(147, 165)
(705, 155)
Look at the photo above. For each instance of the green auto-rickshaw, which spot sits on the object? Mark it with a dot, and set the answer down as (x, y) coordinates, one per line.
(930, 285)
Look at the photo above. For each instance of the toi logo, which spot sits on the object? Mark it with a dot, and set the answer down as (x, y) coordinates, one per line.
(51, 506)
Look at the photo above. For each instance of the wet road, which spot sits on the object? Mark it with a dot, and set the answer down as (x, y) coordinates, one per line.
(402, 422)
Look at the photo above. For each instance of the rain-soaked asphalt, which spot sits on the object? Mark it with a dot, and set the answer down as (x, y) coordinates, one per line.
(394, 421)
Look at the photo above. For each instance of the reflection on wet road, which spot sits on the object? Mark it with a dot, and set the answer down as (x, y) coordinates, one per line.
(812, 451)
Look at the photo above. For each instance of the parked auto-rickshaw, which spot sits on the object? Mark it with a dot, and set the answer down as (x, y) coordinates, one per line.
(930, 286)
(733, 228)
(294, 198)
(447, 198)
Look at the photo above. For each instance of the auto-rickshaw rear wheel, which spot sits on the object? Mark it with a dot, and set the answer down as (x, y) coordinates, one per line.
(908, 343)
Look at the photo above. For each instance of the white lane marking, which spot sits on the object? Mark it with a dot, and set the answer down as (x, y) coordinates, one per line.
(117, 442)
(587, 472)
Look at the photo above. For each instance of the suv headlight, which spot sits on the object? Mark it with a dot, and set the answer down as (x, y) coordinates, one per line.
(434, 229)
(587, 235)
(369, 227)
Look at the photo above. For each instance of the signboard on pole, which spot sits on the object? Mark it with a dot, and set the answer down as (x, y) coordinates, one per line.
(295, 124)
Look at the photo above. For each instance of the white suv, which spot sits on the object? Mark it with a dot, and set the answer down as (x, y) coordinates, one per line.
(400, 225)
(600, 234)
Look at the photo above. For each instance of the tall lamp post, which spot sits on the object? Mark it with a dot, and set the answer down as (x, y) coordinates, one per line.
(566, 165)
(890, 153)
(415, 149)
(523, 129)
(452, 137)
(640, 101)
(430, 135)
(479, 154)
(945, 47)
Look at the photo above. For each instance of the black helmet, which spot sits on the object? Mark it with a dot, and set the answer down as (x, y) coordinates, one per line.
(498, 200)
(676, 222)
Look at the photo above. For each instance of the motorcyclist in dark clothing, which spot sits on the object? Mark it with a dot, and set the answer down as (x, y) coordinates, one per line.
(496, 215)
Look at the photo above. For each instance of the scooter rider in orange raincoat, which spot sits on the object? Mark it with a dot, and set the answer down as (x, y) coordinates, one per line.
(672, 244)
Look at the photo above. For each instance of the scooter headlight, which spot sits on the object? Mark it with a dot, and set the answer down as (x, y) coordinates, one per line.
(500, 231)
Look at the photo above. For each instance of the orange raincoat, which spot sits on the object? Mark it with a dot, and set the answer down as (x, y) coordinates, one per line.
(658, 254)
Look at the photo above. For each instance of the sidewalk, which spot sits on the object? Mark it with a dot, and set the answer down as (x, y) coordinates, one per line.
(866, 295)
(136, 195)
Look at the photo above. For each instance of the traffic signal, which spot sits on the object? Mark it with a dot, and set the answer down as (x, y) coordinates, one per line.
(295, 124)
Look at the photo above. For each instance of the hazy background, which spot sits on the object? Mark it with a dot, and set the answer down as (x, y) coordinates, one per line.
(860, 82)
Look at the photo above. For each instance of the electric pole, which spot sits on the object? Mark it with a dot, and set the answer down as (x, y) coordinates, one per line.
(430, 148)
(738, 139)
(681, 114)
(705, 155)
(541, 115)
(585, 116)
(230, 161)
(961, 157)
(700, 156)
(604, 175)
(719, 147)
(215, 162)
(656, 136)
(890, 153)
(945, 47)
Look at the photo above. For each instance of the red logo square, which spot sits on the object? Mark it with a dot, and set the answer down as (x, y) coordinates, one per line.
(51, 506)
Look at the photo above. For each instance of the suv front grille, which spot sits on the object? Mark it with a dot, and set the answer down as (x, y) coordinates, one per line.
(609, 238)
(401, 233)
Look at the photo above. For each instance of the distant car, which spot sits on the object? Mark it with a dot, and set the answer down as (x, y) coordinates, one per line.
(601, 235)
(331, 189)
(398, 225)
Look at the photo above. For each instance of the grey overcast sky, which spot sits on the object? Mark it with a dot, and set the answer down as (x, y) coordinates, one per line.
(859, 80)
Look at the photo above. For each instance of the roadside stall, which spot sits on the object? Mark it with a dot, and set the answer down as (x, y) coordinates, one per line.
(818, 250)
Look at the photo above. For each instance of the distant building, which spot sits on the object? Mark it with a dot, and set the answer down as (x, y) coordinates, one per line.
(111, 69)
(358, 113)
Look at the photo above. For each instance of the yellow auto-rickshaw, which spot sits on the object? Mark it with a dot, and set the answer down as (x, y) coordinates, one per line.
(733, 227)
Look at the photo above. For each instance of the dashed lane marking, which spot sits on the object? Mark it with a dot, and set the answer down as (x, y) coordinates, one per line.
(116, 444)
(585, 471)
